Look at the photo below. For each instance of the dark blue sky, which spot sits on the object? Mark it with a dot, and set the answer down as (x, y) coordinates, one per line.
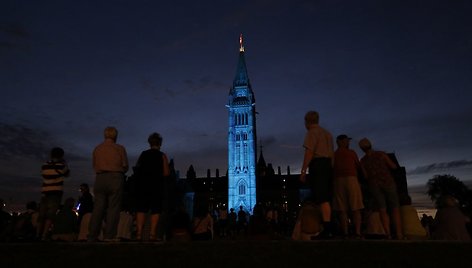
(397, 72)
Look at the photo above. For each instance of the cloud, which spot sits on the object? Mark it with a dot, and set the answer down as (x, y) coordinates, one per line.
(150, 88)
(8, 45)
(12, 33)
(268, 141)
(203, 84)
(14, 29)
(19, 142)
(438, 167)
(27, 184)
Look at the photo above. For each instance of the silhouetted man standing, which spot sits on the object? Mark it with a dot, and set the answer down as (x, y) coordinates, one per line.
(318, 158)
(110, 163)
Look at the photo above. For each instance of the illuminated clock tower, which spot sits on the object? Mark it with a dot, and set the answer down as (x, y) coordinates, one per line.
(241, 139)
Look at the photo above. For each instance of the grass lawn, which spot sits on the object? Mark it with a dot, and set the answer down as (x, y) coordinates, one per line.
(245, 253)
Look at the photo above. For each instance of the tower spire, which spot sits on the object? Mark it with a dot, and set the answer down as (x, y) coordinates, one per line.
(241, 78)
(241, 47)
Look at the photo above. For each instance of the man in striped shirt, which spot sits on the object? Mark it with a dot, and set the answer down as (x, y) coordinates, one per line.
(53, 172)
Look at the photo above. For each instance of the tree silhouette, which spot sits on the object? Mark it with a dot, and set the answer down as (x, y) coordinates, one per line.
(442, 185)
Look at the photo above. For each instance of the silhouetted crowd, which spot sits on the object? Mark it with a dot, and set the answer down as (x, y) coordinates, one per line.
(359, 199)
(349, 199)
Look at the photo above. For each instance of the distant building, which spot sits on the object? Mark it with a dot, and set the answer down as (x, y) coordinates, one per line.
(283, 191)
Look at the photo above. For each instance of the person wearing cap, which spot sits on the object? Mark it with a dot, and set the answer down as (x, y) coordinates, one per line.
(318, 160)
(377, 167)
(347, 191)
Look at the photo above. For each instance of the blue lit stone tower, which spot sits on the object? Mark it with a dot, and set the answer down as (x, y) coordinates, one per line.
(241, 139)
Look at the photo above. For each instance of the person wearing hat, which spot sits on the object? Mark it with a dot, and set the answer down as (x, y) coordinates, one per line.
(377, 167)
(347, 191)
(318, 160)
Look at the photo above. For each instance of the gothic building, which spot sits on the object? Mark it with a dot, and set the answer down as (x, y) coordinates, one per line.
(239, 187)
(241, 139)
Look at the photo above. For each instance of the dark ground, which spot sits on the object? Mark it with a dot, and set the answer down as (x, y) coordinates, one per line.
(281, 253)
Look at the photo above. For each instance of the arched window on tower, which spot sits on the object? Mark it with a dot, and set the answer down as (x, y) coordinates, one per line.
(245, 119)
(242, 189)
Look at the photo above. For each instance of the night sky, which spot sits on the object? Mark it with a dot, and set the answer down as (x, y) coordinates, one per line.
(397, 72)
